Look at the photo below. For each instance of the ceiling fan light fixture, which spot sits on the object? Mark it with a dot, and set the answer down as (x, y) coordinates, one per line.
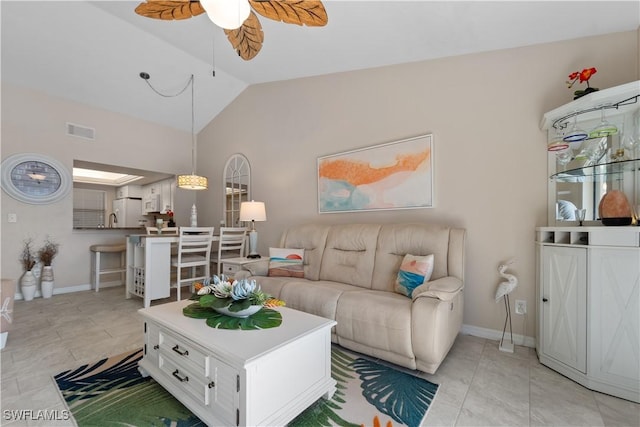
(227, 14)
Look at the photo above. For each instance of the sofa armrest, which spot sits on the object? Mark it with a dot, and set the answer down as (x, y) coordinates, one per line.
(445, 289)
(258, 268)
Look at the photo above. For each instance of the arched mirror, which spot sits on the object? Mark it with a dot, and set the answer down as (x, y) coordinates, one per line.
(236, 188)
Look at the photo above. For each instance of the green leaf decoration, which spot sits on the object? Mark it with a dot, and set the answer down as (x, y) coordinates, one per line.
(196, 311)
(264, 319)
(210, 300)
(402, 396)
(323, 412)
(240, 305)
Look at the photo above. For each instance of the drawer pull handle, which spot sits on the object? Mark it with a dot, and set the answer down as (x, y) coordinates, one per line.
(155, 347)
(544, 300)
(212, 384)
(176, 374)
(176, 348)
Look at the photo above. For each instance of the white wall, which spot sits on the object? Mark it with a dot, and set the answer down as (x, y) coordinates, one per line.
(483, 110)
(490, 155)
(35, 122)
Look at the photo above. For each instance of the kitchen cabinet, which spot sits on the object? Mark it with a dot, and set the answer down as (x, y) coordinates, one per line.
(167, 190)
(129, 191)
(563, 321)
(158, 197)
(588, 284)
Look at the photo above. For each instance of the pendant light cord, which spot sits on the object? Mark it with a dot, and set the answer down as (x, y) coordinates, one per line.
(146, 77)
(191, 81)
(193, 134)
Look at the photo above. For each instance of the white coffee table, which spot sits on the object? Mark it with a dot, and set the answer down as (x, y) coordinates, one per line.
(235, 377)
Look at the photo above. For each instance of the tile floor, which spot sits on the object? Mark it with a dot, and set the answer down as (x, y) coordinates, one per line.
(479, 385)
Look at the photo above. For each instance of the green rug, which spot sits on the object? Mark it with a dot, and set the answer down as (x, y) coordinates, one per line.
(112, 392)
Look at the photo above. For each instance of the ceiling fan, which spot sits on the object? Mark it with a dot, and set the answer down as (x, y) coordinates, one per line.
(237, 17)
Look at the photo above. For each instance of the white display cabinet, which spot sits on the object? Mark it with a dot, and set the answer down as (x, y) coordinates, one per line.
(588, 281)
(582, 181)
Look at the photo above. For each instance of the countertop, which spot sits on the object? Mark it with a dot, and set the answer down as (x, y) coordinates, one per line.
(141, 229)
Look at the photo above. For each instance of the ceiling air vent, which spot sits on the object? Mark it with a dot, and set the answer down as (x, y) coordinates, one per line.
(81, 131)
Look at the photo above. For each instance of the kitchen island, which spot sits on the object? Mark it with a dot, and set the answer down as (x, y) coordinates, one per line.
(148, 262)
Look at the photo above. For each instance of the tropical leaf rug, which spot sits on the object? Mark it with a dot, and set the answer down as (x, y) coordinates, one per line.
(112, 392)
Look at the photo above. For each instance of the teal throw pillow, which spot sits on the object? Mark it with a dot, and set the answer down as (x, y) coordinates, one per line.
(414, 271)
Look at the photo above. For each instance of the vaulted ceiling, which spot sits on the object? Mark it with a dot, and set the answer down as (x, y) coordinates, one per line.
(93, 52)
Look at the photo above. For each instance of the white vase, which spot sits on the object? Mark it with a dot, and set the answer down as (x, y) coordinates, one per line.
(46, 281)
(242, 313)
(28, 285)
(194, 216)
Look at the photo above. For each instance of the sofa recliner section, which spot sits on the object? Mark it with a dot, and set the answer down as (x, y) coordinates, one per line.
(349, 276)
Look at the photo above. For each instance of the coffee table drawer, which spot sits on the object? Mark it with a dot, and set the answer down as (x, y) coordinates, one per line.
(185, 380)
(184, 353)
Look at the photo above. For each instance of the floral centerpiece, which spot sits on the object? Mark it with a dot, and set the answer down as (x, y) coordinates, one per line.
(236, 298)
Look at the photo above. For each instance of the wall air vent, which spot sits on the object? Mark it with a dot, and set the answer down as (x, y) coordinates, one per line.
(81, 131)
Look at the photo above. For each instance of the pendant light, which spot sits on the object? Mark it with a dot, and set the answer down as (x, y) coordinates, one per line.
(193, 181)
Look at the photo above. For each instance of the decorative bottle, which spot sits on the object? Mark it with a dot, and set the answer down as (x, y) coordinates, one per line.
(194, 216)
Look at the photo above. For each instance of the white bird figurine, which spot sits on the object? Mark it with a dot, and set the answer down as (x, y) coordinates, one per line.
(503, 291)
(505, 288)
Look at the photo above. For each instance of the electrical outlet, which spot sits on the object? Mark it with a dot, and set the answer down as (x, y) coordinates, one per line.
(521, 306)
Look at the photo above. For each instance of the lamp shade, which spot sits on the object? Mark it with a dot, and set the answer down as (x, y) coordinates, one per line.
(252, 211)
(192, 182)
(228, 14)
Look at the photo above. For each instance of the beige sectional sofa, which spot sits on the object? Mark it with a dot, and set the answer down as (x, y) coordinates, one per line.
(349, 276)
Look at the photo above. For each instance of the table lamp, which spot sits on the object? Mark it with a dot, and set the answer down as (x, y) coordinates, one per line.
(253, 211)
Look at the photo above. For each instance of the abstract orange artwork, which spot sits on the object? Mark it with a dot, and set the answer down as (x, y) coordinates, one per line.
(396, 175)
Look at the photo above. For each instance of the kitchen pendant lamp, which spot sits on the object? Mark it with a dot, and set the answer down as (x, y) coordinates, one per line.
(186, 181)
(193, 181)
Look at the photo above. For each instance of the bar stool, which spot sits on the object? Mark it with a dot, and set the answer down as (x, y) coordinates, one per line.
(97, 272)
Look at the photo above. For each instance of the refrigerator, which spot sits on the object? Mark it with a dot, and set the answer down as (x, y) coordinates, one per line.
(128, 211)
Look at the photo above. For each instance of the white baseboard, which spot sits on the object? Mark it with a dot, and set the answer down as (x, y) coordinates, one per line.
(476, 331)
(70, 289)
(492, 334)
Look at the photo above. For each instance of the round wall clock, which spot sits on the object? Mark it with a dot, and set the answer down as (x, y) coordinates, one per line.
(34, 178)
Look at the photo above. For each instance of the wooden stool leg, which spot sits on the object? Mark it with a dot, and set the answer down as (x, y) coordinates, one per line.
(97, 272)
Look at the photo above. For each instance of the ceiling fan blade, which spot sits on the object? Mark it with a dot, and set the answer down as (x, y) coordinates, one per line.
(247, 39)
(301, 12)
(169, 10)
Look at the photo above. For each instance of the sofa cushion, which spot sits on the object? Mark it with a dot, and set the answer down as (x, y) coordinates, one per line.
(312, 238)
(397, 240)
(375, 319)
(413, 272)
(286, 262)
(271, 285)
(315, 297)
(349, 254)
